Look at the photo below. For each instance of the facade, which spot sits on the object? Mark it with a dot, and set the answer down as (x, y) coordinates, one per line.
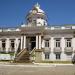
(47, 43)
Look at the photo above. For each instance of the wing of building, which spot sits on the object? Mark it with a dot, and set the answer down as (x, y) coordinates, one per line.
(37, 41)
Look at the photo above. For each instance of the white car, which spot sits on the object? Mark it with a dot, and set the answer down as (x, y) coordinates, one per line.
(73, 59)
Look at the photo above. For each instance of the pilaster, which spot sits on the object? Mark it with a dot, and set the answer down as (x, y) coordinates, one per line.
(52, 55)
(63, 55)
(43, 43)
(7, 44)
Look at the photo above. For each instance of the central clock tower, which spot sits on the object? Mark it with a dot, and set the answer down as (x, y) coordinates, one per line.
(36, 17)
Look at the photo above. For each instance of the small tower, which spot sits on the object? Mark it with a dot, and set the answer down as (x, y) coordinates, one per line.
(36, 17)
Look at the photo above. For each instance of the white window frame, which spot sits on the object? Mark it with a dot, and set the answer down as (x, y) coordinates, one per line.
(11, 44)
(47, 43)
(57, 43)
(69, 42)
(4, 43)
(47, 55)
(58, 56)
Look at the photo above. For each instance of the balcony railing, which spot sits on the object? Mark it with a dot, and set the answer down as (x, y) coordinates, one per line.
(10, 50)
(2, 50)
(68, 49)
(47, 49)
(57, 50)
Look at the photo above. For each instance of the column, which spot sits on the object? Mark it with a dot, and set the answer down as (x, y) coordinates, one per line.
(24, 42)
(37, 42)
(7, 44)
(63, 55)
(21, 42)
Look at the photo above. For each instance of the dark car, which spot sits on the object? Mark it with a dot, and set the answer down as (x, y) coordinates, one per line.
(73, 59)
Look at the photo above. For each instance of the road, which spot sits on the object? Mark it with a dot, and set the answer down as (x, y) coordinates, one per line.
(37, 69)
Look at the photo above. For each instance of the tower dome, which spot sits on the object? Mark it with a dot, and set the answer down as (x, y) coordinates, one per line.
(37, 9)
(36, 16)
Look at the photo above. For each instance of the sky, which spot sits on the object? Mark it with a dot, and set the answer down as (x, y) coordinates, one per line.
(59, 12)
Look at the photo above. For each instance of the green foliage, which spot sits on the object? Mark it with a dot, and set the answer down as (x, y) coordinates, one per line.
(11, 53)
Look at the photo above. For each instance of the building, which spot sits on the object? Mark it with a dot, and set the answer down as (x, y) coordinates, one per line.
(37, 41)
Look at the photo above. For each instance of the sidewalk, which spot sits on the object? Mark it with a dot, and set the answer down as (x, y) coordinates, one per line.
(56, 64)
(34, 64)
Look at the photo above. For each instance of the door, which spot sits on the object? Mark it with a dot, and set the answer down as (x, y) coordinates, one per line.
(33, 44)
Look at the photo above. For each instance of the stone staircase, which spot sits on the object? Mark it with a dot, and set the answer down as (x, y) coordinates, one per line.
(22, 56)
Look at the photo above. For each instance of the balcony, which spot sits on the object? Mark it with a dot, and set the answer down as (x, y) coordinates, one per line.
(47, 49)
(10, 50)
(57, 50)
(68, 50)
(2, 50)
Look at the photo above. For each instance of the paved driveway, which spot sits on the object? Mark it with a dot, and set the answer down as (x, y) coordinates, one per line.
(37, 69)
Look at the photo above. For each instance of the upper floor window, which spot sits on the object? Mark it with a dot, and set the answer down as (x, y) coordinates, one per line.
(12, 44)
(68, 42)
(46, 43)
(3, 44)
(57, 42)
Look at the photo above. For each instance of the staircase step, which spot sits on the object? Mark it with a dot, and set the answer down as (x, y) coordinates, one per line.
(22, 56)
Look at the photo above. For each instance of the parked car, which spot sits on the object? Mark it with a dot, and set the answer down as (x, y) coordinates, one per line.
(73, 59)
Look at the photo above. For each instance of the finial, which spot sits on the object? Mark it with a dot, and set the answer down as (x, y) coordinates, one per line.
(37, 5)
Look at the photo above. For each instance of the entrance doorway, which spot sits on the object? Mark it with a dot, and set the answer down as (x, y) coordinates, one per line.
(33, 45)
(33, 42)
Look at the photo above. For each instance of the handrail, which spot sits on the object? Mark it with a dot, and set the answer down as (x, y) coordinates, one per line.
(19, 55)
(32, 50)
(17, 48)
(20, 52)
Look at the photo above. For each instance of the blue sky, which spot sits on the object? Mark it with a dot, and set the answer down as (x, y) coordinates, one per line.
(59, 12)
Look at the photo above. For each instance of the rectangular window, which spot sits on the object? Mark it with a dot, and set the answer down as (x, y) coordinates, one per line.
(58, 56)
(3, 44)
(68, 42)
(46, 43)
(47, 55)
(12, 44)
(57, 43)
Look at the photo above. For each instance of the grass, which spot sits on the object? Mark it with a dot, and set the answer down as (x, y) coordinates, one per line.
(58, 62)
